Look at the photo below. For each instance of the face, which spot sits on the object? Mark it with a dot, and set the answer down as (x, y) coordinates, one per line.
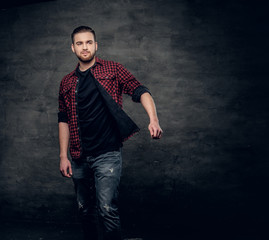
(84, 46)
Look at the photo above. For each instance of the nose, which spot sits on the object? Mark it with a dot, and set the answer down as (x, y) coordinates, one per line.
(85, 47)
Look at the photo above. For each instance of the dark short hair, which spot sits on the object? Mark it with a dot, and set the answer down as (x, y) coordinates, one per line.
(82, 29)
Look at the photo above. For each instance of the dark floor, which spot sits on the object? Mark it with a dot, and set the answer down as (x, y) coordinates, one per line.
(45, 231)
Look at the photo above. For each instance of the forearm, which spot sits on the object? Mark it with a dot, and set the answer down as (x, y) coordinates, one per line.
(149, 105)
(63, 139)
(65, 165)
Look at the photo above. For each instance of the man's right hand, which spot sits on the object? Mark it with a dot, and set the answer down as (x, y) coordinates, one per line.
(65, 167)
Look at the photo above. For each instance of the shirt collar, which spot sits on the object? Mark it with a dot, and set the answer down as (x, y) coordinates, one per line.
(97, 61)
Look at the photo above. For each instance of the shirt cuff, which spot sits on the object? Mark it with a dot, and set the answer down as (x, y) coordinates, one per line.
(62, 117)
(138, 93)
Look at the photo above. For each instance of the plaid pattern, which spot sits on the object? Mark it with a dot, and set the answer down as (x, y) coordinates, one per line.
(115, 79)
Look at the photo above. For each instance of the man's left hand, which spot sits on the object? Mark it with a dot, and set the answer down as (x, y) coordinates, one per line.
(155, 130)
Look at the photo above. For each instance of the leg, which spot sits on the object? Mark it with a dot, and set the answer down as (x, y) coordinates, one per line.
(83, 179)
(107, 172)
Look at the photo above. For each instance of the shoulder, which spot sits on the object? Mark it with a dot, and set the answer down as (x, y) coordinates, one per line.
(69, 75)
(67, 78)
(67, 82)
(113, 67)
(107, 63)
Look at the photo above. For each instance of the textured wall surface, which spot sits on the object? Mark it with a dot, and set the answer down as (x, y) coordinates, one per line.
(206, 65)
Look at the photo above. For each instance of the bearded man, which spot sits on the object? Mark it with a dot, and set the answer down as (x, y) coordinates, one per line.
(93, 126)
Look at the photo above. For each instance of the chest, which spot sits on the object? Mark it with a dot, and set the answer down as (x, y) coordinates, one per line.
(76, 89)
(86, 88)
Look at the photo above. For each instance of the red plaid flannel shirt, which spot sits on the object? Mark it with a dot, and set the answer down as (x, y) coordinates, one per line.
(113, 77)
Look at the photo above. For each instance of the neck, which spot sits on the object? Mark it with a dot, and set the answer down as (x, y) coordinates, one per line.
(83, 66)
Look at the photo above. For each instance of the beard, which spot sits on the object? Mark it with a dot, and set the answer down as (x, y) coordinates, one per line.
(86, 59)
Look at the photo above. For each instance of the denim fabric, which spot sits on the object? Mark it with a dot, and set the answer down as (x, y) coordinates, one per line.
(96, 181)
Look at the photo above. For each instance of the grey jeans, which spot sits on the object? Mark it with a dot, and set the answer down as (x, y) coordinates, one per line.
(96, 181)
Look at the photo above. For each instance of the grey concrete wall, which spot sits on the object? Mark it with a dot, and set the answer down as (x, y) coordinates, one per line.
(206, 65)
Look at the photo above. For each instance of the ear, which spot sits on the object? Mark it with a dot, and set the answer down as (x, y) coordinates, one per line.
(96, 46)
(72, 47)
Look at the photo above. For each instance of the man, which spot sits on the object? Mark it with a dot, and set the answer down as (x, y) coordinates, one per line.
(92, 125)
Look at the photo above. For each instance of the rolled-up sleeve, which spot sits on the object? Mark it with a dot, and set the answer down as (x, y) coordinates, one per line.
(138, 93)
(62, 117)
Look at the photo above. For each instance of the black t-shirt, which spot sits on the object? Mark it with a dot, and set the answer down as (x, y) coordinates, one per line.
(99, 133)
